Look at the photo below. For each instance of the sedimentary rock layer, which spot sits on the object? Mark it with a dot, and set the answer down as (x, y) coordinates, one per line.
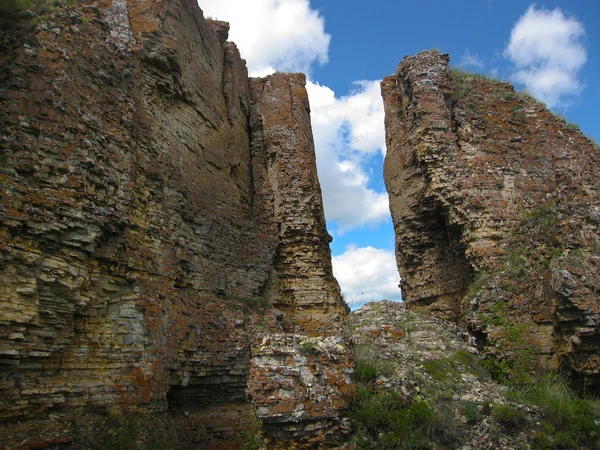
(149, 202)
(486, 184)
(302, 284)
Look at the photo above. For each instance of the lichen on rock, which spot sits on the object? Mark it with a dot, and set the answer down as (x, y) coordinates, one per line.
(154, 204)
(495, 203)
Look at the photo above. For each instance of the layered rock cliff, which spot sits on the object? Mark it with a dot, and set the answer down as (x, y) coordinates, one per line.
(495, 204)
(162, 232)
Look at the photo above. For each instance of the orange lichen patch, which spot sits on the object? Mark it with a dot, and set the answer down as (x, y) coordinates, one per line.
(144, 18)
(397, 333)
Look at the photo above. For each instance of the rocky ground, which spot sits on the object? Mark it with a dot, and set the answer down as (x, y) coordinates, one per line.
(432, 363)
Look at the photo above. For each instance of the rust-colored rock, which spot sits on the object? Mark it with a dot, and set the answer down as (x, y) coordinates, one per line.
(302, 284)
(148, 200)
(486, 184)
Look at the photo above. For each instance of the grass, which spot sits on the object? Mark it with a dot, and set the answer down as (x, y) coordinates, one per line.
(13, 17)
(12, 8)
(460, 74)
(123, 431)
(253, 437)
(543, 217)
(365, 371)
(443, 369)
(569, 421)
(509, 416)
(309, 347)
(388, 420)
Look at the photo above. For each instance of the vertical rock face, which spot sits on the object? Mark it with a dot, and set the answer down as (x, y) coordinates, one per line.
(421, 141)
(486, 185)
(148, 200)
(302, 284)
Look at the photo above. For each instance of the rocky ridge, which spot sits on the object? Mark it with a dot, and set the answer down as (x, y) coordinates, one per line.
(495, 203)
(163, 241)
(419, 361)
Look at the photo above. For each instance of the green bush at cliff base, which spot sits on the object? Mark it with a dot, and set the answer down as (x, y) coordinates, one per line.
(386, 418)
(569, 421)
(365, 371)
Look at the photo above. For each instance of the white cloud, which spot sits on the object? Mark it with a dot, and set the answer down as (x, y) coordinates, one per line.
(546, 48)
(349, 132)
(367, 274)
(471, 60)
(286, 35)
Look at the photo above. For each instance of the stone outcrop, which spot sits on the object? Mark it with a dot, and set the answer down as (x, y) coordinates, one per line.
(424, 367)
(495, 204)
(161, 217)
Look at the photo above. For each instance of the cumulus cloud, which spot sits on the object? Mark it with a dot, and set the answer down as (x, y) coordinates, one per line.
(349, 133)
(471, 60)
(366, 274)
(273, 34)
(547, 50)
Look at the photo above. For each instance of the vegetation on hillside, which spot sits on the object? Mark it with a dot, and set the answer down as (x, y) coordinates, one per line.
(527, 410)
(12, 10)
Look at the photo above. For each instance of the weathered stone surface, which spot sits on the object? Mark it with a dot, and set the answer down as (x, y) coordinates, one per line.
(298, 384)
(487, 184)
(426, 360)
(144, 205)
(302, 284)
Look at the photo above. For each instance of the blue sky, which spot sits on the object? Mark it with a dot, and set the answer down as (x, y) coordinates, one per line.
(345, 47)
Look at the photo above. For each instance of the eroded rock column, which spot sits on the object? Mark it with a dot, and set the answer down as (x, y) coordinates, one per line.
(495, 204)
(301, 366)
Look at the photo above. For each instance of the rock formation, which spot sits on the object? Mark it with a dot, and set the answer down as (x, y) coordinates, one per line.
(162, 232)
(496, 210)
(421, 384)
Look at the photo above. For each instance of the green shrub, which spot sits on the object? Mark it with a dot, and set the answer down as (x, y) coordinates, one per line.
(509, 416)
(471, 412)
(365, 371)
(308, 348)
(387, 419)
(569, 421)
(123, 431)
(12, 8)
